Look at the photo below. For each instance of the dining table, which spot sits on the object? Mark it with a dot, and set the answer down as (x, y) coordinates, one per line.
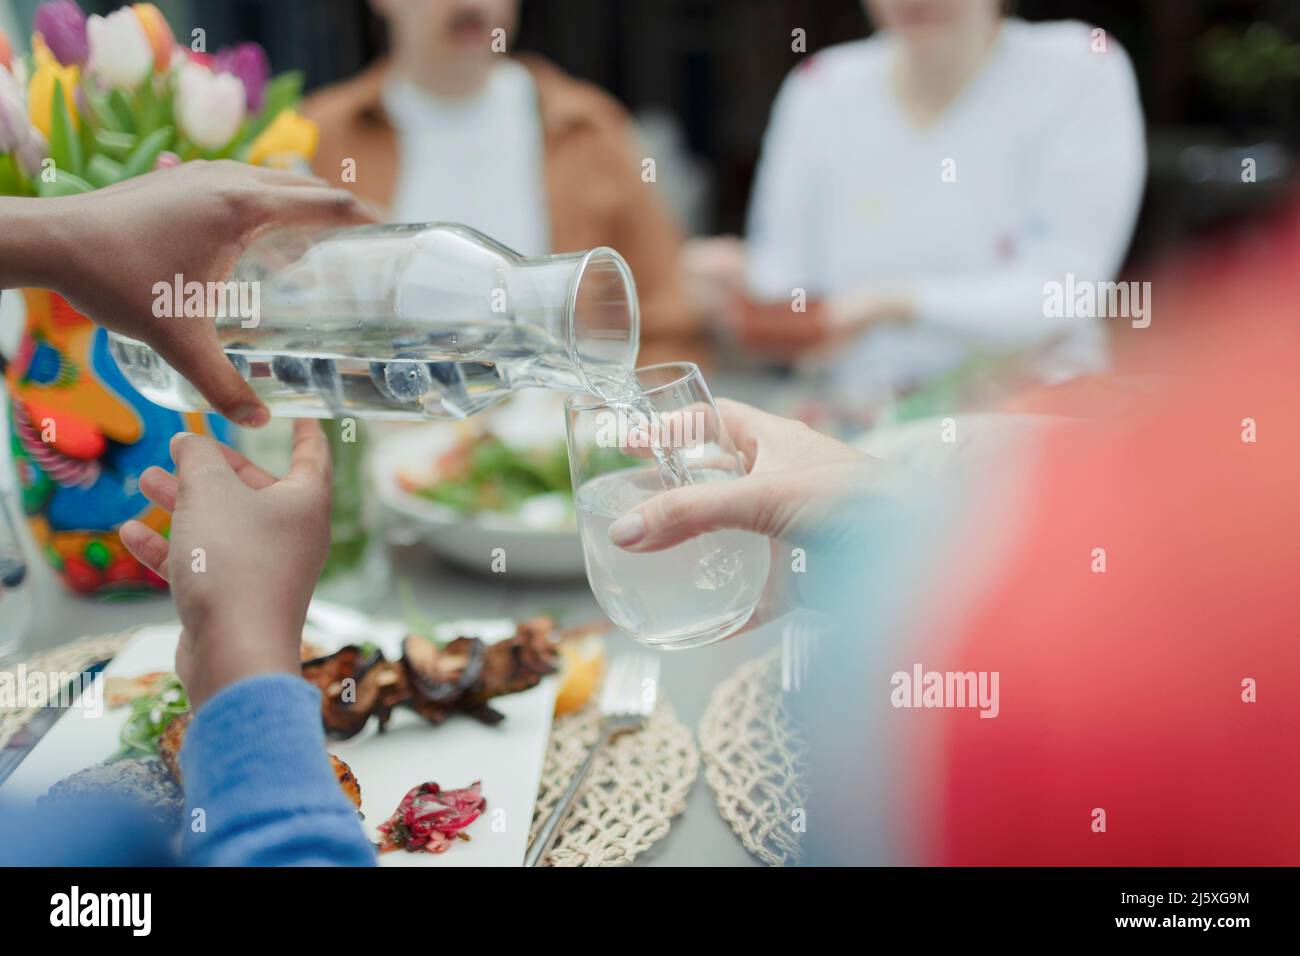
(414, 578)
(698, 837)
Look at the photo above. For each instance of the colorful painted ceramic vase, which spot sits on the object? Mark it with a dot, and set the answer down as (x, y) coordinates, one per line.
(81, 437)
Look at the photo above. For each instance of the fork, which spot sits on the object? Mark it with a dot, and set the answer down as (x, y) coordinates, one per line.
(798, 640)
(627, 700)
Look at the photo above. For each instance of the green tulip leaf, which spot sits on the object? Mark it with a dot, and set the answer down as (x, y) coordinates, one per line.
(148, 110)
(167, 105)
(102, 171)
(86, 134)
(146, 153)
(65, 146)
(117, 102)
(116, 146)
(106, 117)
(64, 184)
(11, 183)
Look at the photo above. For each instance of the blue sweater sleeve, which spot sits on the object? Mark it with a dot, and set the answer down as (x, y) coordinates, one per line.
(255, 765)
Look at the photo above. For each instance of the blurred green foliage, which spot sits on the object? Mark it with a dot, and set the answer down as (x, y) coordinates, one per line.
(1256, 62)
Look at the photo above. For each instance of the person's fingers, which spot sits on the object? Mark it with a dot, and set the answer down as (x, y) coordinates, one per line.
(235, 174)
(250, 474)
(197, 355)
(311, 454)
(317, 205)
(748, 426)
(200, 463)
(159, 486)
(146, 545)
(675, 516)
(284, 177)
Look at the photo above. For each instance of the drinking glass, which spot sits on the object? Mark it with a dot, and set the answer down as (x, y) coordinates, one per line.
(663, 430)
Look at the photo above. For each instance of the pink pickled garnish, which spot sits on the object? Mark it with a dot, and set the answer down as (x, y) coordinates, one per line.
(429, 818)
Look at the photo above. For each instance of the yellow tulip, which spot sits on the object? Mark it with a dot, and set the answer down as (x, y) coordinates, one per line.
(291, 136)
(40, 88)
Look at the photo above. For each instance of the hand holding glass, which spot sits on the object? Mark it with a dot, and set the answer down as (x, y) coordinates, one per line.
(622, 453)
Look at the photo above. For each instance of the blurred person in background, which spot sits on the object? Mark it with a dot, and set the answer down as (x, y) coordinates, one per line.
(922, 185)
(451, 128)
(1125, 570)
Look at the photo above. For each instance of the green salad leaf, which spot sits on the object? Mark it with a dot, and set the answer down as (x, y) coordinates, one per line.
(150, 715)
(501, 478)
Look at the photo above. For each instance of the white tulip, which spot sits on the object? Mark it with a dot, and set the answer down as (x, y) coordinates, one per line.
(209, 106)
(120, 55)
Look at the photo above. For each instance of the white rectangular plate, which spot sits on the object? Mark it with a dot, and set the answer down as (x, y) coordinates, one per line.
(507, 758)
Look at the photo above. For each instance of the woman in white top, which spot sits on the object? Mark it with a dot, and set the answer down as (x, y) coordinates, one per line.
(919, 188)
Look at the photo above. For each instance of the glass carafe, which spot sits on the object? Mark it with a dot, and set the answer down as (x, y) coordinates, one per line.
(408, 321)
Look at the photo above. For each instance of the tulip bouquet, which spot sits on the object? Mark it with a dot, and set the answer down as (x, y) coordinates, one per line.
(102, 99)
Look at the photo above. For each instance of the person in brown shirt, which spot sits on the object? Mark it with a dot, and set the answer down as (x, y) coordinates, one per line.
(451, 128)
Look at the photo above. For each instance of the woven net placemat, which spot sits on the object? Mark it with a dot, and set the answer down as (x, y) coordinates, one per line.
(66, 659)
(754, 760)
(637, 784)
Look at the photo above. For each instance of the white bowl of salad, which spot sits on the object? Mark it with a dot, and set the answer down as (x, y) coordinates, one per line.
(487, 494)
